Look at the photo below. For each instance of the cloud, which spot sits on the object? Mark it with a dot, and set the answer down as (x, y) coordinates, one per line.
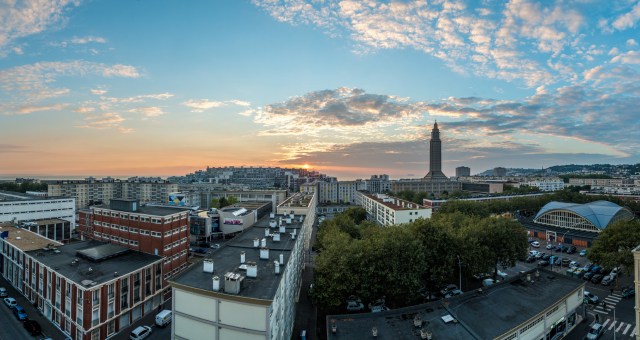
(98, 91)
(632, 43)
(32, 108)
(346, 110)
(107, 120)
(201, 105)
(11, 148)
(139, 98)
(19, 19)
(149, 111)
(628, 19)
(88, 39)
(631, 57)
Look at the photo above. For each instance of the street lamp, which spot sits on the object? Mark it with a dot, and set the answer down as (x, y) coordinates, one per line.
(459, 272)
(562, 248)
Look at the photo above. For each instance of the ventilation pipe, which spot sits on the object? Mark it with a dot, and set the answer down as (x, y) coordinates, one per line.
(282, 229)
(242, 257)
(276, 266)
(263, 242)
(252, 269)
(264, 253)
(207, 266)
(266, 232)
(216, 283)
(281, 258)
(256, 243)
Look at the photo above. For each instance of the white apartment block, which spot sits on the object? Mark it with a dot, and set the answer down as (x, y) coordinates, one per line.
(387, 210)
(601, 182)
(547, 184)
(248, 288)
(22, 208)
(92, 190)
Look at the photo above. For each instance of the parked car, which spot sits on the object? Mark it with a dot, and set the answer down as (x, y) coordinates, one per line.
(447, 289)
(550, 246)
(163, 318)
(588, 275)
(378, 306)
(570, 250)
(546, 257)
(628, 292)
(453, 293)
(607, 280)
(533, 252)
(543, 263)
(3, 292)
(530, 259)
(565, 262)
(33, 327)
(591, 299)
(574, 264)
(540, 255)
(595, 332)
(481, 276)
(502, 275)
(20, 313)
(10, 302)
(427, 295)
(487, 282)
(141, 332)
(597, 278)
(535, 244)
(583, 252)
(354, 304)
(595, 269)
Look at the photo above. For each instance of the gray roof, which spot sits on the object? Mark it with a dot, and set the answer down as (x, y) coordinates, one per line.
(126, 262)
(227, 259)
(495, 311)
(152, 210)
(599, 213)
(10, 196)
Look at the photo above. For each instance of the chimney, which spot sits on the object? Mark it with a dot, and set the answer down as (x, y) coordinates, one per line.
(242, 257)
(272, 215)
(266, 232)
(293, 235)
(301, 218)
(252, 269)
(281, 258)
(276, 266)
(282, 229)
(263, 242)
(215, 283)
(276, 237)
(288, 220)
(256, 243)
(207, 266)
(291, 216)
(272, 223)
(232, 282)
(264, 253)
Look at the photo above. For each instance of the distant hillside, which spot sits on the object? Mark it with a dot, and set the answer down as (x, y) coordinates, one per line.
(612, 170)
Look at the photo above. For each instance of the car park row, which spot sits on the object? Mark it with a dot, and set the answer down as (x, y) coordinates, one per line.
(32, 326)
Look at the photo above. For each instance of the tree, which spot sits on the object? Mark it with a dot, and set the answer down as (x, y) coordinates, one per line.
(231, 200)
(215, 203)
(357, 214)
(613, 246)
(223, 202)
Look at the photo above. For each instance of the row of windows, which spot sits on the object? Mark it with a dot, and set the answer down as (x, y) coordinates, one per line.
(142, 231)
(175, 244)
(175, 257)
(115, 238)
(134, 217)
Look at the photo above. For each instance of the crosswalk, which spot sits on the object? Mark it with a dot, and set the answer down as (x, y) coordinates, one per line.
(611, 325)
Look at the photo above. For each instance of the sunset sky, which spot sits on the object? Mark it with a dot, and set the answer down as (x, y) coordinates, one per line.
(349, 88)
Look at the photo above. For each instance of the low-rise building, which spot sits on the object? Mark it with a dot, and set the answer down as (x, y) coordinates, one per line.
(156, 230)
(18, 207)
(89, 289)
(387, 210)
(531, 306)
(248, 288)
(547, 184)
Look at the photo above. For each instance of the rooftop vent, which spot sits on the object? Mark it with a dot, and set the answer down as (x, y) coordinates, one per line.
(215, 283)
(266, 232)
(233, 283)
(281, 258)
(207, 266)
(288, 220)
(282, 229)
(115, 274)
(256, 243)
(276, 237)
(252, 269)
(243, 257)
(272, 215)
(528, 277)
(447, 318)
(264, 253)
(263, 242)
(276, 266)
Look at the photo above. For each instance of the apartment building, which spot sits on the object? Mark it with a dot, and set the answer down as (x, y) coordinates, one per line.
(387, 210)
(248, 288)
(547, 184)
(92, 191)
(90, 290)
(155, 230)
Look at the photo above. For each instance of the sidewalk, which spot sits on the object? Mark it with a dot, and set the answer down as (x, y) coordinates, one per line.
(48, 328)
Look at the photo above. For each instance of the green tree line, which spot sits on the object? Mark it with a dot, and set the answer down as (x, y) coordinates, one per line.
(23, 187)
(358, 257)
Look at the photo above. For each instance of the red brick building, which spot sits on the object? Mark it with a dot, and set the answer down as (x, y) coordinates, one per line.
(155, 230)
(90, 290)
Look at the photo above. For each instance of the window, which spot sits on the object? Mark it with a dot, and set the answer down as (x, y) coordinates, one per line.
(133, 230)
(79, 315)
(111, 309)
(124, 228)
(156, 234)
(111, 327)
(111, 291)
(95, 334)
(124, 293)
(95, 317)
(96, 297)
(144, 232)
(167, 233)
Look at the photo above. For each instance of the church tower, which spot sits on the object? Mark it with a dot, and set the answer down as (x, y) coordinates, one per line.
(435, 156)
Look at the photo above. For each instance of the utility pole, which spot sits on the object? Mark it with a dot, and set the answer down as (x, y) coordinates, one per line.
(459, 272)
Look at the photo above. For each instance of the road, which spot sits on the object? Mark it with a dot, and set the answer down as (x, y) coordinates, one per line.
(11, 328)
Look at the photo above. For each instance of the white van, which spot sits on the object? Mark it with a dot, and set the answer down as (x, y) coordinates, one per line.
(163, 318)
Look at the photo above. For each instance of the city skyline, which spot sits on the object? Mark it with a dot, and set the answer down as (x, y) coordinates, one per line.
(347, 88)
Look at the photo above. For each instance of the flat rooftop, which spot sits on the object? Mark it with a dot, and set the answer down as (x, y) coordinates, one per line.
(300, 200)
(10, 196)
(394, 202)
(227, 259)
(71, 261)
(24, 239)
(152, 210)
(495, 311)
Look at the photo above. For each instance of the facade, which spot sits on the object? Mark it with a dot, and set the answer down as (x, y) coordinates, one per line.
(387, 210)
(26, 208)
(636, 284)
(436, 204)
(248, 288)
(547, 184)
(601, 182)
(155, 230)
(499, 172)
(89, 290)
(488, 187)
(435, 188)
(463, 171)
(236, 219)
(207, 192)
(594, 216)
(92, 191)
(530, 306)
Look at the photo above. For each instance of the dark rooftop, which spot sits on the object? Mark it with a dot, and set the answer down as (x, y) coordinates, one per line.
(65, 260)
(487, 315)
(150, 210)
(10, 196)
(227, 259)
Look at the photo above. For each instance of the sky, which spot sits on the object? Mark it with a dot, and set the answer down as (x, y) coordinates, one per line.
(347, 88)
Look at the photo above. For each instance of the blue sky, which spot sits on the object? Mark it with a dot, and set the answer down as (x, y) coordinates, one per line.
(350, 88)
